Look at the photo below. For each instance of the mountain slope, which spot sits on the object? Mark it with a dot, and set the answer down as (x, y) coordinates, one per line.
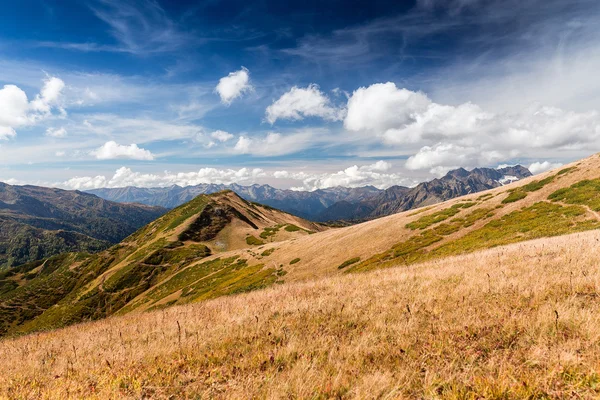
(396, 199)
(515, 322)
(338, 203)
(167, 262)
(177, 257)
(37, 222)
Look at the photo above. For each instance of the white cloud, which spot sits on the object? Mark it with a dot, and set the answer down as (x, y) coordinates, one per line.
(243, 145)
(465, 135)
(382, 106)
(299, 103)
(6, 132)
(127, 177)
(538, 167)
(14, 106)
(56, 132)
(60, 154)
(221, 136)
(374, 174)
(49, 96)
(441, 158)
(276, 144)
(234, 85)
(134, 130)
(112, 150)
(17, 111)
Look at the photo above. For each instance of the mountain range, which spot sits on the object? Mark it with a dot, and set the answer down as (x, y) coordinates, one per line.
(332, 204)
(478, 279)
(221, 244)
(37, 222)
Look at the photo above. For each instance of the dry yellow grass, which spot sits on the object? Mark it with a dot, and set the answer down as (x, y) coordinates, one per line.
(521, 321)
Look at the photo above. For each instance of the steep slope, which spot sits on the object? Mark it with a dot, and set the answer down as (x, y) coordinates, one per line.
(37, 222)
(167, 263)
(178, 257)
(515, 322)
(396, 199)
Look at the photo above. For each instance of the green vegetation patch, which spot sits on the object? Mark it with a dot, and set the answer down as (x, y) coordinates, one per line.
(267, 252)
(521, 192)
(292, 228)
(586, 192)
(484, 197)
(537, 185)
(514, 196)
(543, 219)
(294, 261)
(349, 262)
(439, 216)
(216, 278)
(270, 231)
(253, 241)
(566, 171)
(175, 255)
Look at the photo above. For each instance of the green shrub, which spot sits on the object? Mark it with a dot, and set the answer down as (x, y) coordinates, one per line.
(514, 196)
(294, 261)
(253, 241)
(566, 170)
(431, 219)
(537, 185)
(292, 228)
(349, 262)
(586, 192)
(267, 252)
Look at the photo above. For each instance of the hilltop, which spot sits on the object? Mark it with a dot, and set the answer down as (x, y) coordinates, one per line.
(336, 203)
(37, 222)
(188, 254)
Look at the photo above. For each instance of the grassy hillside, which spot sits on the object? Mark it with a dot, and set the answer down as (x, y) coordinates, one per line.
(184, 256)
(507, 323)
(220, 244)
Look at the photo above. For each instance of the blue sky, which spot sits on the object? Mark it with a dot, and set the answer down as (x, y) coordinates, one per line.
(296, 94)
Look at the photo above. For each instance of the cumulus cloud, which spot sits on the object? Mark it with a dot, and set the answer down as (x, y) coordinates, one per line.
(539, 167)
(112, 150)
(17, 111)
(49, 96)
(127, 177)
(464, 135)
(299, 103)
(221, 136)
(275, 144)
(376, 174)
(441, 158)
(56, 132)
(243, 145)
(234, 85)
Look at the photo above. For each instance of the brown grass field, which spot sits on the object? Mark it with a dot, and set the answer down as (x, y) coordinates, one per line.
(521, 321)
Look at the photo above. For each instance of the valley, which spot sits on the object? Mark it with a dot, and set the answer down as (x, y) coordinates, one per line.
(38, 222)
